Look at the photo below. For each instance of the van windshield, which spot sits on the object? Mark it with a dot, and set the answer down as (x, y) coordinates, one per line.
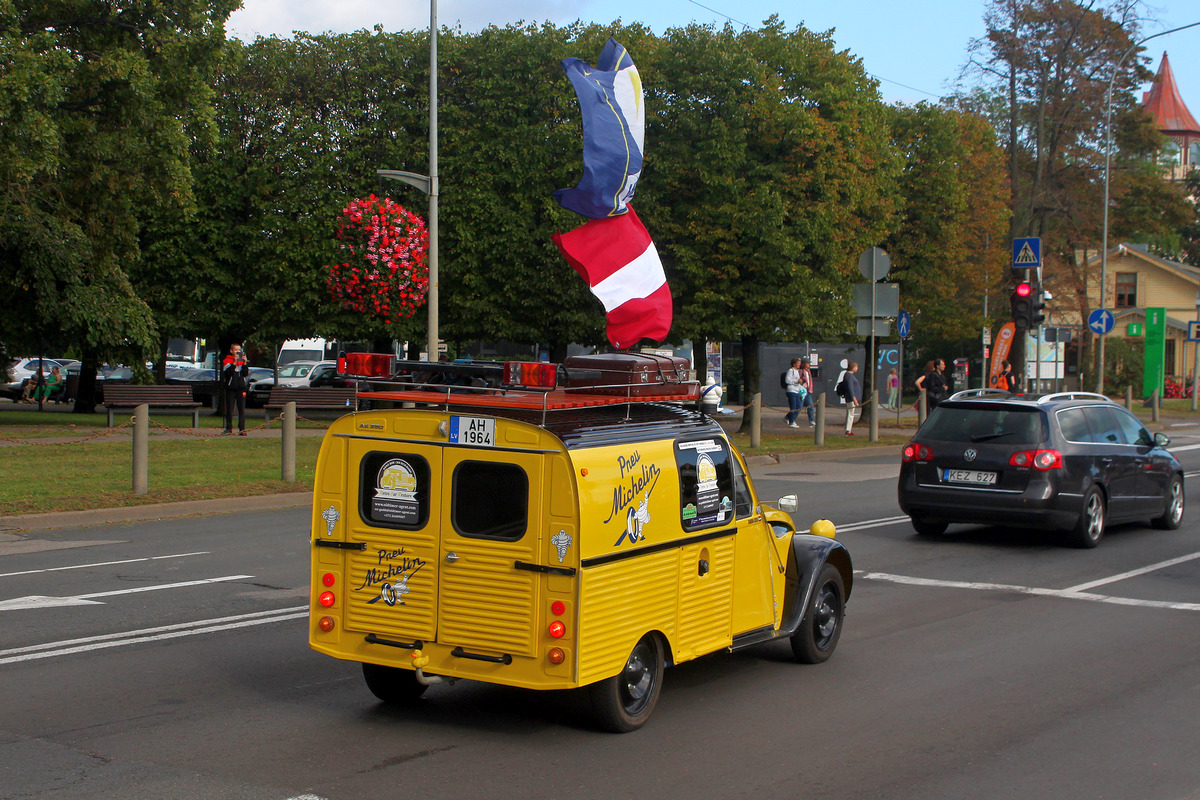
(984, 423)
(288, 356)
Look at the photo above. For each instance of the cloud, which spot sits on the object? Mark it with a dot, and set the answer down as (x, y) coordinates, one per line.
(283, 17)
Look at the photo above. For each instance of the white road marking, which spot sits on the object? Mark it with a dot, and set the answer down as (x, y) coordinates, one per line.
(871, 523)
(1032, 590)
(100, 564)
(1184, 447)
(102, 642)
(40, 601)
(1133, 573)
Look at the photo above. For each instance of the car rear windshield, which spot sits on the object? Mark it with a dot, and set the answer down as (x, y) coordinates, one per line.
(1002, 424)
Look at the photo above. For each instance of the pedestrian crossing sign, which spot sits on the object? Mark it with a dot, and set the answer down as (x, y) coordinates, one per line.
(1027, 253)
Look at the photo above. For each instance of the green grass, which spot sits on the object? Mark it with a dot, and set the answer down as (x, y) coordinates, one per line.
(76, 476)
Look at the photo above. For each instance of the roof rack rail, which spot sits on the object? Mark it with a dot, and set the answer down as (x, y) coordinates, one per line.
(1047, 398)
(964, 394)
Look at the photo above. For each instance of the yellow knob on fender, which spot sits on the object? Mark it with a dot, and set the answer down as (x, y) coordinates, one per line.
(419, 660)
(823, 527)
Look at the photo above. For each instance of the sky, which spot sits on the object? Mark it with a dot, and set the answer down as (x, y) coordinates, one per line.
(916, 48)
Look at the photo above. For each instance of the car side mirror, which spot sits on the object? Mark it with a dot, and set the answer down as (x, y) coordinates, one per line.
(788, 503)
(1161, 439)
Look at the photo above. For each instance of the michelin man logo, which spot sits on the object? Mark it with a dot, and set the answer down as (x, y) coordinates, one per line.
(636, 520)
(331, 517)
(562, 541)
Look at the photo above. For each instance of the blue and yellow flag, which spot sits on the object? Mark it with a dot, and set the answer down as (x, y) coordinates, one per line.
(614, 123)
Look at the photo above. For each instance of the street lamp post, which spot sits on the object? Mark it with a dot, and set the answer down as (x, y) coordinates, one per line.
(1107, 167)
(429, 185)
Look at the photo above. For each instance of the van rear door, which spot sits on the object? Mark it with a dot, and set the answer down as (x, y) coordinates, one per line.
(490, 530)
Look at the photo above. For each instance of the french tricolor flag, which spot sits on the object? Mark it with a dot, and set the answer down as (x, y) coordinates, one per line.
(617, 258)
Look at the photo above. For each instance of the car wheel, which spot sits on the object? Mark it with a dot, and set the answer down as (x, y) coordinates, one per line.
(814, 641)
(393, 685)
(1173, 515)
(623, 702)
(927, 528)
(1090, 527)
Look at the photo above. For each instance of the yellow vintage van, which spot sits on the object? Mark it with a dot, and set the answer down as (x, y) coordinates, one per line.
(518, 531)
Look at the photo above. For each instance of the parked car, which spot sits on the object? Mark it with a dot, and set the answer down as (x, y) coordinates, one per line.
(23, 369)
(204, 382)
(1072, 461)
(298, 374)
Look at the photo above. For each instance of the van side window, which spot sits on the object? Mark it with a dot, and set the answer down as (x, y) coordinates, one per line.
(742, 503)
(706, 483)
(394, 490)
(490, 500)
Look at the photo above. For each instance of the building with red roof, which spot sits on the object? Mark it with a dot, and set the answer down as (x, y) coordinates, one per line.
(1165, 104)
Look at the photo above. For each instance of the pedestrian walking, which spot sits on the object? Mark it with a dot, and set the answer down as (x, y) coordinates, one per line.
(851, 392)
(893, 385)
(794, 392)
(806, 382)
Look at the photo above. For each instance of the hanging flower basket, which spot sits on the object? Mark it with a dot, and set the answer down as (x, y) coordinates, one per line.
(386, 270)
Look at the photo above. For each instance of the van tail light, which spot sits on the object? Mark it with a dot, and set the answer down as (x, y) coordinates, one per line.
(557, 629)
(916, 452)
(1038, 459)
(326, 624)
(326, 599)
(531, 374)
(556, 655)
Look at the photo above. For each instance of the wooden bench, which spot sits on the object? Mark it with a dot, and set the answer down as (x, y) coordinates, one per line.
(327, 398)
(129, 396)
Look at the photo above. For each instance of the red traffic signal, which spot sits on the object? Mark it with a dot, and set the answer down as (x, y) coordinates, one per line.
(1024, 289)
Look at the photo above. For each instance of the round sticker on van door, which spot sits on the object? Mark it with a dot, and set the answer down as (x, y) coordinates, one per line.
(396, 493)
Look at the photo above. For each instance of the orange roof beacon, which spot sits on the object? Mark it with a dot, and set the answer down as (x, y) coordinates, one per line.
(553, 526)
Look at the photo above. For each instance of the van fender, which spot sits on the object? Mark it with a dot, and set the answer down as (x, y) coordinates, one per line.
(808, 555)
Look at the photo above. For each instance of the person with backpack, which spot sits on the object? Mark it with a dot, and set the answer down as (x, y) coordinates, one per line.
(806, 395)
(793, 390)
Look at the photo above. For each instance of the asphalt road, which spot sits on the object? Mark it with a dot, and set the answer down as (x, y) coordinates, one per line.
(169, 659)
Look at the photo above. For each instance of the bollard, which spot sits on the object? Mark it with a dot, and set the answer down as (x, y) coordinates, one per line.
(288, 447)
(1129, 398)
(141, 449)
(755, 409)
(1154, 406)
(873, 415)
(819, 430)
(922, 400)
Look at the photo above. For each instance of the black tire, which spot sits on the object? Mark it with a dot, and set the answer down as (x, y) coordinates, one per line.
(927, 528)
(1092, 517)
(623, 702)
(393, 685)
(817, 637)
(1173, 513)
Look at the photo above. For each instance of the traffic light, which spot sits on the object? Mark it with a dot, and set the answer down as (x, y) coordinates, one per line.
(1022, 305)
(1037, 309)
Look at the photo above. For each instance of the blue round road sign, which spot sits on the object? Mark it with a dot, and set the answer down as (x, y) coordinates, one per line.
(1101, 321)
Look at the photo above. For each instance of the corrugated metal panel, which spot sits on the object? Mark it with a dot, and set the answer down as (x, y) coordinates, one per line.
(486, 603)
(413, 615)
(621, 601)
(705, 601)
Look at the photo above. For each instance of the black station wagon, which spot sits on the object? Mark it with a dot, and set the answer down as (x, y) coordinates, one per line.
(1070, 462)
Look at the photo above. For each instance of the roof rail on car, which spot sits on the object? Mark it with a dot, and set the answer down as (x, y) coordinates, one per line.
(1047, 398)
(963, 395)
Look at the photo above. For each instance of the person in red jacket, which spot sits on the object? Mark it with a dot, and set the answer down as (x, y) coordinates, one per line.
(234, 371)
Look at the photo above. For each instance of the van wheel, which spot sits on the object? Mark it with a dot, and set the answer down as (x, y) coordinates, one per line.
(392, 684)
(819, 631)
(623, 702)
(1173, 514)
(927, 528)
(1090, 527)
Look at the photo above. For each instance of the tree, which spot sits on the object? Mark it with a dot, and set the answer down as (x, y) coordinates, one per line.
(767, 172)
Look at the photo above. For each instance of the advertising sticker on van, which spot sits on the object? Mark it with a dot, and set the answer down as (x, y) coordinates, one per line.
(705, 483)
(396, 493)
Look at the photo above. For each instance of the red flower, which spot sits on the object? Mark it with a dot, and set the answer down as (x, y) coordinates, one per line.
(388, 248)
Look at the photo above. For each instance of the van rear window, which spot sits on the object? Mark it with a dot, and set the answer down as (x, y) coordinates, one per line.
(490, 500)
(394, 490)
(974, 424)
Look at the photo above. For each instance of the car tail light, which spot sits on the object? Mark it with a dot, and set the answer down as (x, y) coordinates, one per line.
(557, 629)
(531, 374)
(916, 452)
(1038, 459)
(325, 624)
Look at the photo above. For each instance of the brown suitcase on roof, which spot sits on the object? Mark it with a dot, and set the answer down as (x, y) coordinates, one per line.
(631, 374)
